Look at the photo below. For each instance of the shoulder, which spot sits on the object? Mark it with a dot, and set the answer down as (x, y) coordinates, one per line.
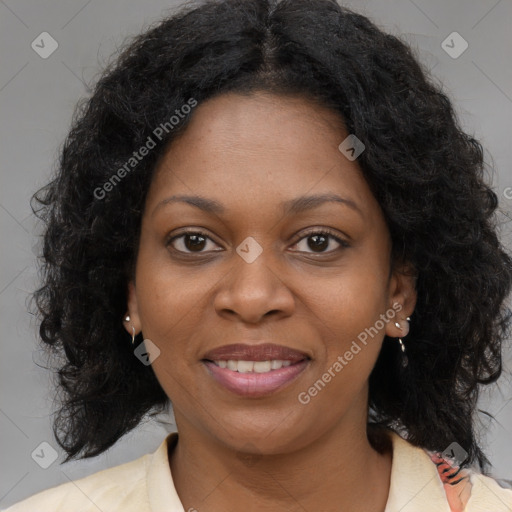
(489, 494)
(120, 488)
(468, 490)
(426, 481)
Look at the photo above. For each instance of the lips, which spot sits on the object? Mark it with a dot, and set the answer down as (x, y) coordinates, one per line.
(262, 352)
(255, 370)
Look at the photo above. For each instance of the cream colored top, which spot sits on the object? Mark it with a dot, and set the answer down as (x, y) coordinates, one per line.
(146, 485)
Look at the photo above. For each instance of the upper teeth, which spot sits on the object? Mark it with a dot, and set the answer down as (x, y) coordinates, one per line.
(252, 366)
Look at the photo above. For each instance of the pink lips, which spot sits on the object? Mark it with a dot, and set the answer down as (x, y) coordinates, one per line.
(262, 352)
(255, 384)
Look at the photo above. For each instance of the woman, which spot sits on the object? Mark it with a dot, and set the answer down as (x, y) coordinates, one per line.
(268, 216)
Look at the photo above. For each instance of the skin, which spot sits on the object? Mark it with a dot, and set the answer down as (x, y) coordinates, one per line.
(250, 153)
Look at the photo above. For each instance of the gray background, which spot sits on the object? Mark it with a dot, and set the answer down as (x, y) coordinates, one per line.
(37, 97)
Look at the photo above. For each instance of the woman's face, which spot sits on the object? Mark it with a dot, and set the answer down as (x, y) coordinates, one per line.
(261, 272)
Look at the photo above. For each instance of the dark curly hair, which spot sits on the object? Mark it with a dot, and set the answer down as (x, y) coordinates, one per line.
(426, 173)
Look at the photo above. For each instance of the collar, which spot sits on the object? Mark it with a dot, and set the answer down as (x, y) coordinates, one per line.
(162, 495)
(415, 484)
(414, 487)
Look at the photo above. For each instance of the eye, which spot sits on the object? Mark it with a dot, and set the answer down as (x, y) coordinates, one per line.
(190, 242)
(197, 241)
(319, 240)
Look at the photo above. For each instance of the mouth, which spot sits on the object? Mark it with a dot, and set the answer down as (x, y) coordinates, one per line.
(255, 370)
(242, 366)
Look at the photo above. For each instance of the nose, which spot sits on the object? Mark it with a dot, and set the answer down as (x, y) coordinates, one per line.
(251, 291)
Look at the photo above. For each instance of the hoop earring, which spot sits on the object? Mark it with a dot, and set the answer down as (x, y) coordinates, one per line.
(127, 319)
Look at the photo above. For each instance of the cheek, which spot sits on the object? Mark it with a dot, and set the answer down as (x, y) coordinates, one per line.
(349, 322)
(350, 301)
(170, 320)
(167, 301)
(166, 294)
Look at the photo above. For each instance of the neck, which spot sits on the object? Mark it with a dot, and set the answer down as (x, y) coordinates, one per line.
(334, 472)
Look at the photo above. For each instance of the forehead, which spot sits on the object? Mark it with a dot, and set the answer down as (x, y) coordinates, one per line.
(243, 147)
(259, 121)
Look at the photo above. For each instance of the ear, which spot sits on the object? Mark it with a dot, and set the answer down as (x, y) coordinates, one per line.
(402, 298)
(133, 311)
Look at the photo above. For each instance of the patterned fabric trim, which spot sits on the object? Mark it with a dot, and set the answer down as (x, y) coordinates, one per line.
(456, 482)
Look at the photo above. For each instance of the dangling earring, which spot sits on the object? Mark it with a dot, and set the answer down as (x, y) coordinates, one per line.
(127, 319)
(405, 360)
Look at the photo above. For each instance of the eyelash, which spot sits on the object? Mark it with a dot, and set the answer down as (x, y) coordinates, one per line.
(324, 231)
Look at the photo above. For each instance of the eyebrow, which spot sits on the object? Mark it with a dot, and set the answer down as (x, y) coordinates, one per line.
(293, 206)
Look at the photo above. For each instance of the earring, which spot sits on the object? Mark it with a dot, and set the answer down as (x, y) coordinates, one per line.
(127, 319)
(405, 360)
